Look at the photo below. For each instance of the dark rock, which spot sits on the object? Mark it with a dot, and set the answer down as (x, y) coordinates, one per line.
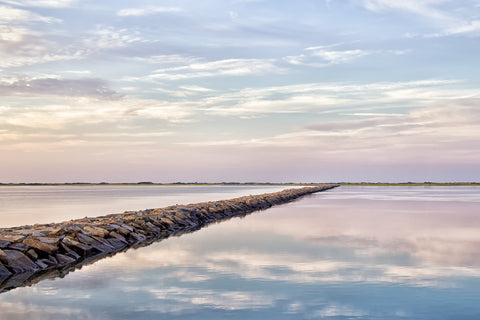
(32, 254)
(69, 252)
(47, 263)
(19, 246)
(129, 228)
(80, 248)
(116, 243)
(42, 264)
(94, 243)
(64, 260)
(136, 237)
(3, 256)
(4, 273)
(4, 244)
(118, 236)
(19, 263)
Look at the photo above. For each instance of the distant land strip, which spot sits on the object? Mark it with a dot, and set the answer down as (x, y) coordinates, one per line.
(29, 254)
(147, 183)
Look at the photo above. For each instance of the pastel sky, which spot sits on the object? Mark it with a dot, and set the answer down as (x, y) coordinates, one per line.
(239, 90)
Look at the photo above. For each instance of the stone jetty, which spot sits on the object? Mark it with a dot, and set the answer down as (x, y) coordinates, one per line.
(31, 253)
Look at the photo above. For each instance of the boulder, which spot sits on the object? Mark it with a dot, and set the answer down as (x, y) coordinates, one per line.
(32, 254)
(19, 263)
(95, 231)
(118, 236)
(4, 273)
(64, 260)
(19, 246)
(4, 244)
(41, 246)
(57, 232)
(80, 248)
(3, 256)
(11, 237)
(94, 243)
(69, 252)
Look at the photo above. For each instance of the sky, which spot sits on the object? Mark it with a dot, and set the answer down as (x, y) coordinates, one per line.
(239, 90)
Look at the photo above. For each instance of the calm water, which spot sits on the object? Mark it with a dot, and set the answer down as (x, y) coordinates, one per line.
(348, 253)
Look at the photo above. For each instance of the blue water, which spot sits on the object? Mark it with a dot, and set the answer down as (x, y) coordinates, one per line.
(348, 253)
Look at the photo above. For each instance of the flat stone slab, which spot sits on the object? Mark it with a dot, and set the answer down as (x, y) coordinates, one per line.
(35, 252)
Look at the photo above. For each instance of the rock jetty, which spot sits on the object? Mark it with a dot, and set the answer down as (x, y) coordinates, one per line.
(31, 253)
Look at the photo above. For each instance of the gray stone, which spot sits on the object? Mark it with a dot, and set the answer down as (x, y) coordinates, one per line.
(4, 273)
(69, 252)
(64, 260)
(136, 237)
(20, 263)
(18, 246)
(118, 236)
(99, 246)
(116, 243)
(80, 248)
(32, 254)
(3, 256)
(4, 244)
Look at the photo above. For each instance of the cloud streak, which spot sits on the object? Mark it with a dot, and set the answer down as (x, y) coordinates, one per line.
(138, 12)
(95, 88)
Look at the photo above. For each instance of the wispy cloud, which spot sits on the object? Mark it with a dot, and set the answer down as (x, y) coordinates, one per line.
(324, 56)
(444, 14)
(106, 37)
(137, 12)
(334, 97)
(9, 15)
(227, 67)
(61, 87)
(43, 3)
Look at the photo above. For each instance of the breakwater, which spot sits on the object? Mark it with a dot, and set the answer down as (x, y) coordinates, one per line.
(31, 253)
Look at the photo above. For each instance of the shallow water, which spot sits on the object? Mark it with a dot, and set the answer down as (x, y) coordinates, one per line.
(347, 253)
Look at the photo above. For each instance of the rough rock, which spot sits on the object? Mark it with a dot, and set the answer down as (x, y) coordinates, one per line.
(40, 246)
(19, 263)
(95, 231)
(80, 248)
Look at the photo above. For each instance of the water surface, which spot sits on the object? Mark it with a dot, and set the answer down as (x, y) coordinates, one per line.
(347, 253)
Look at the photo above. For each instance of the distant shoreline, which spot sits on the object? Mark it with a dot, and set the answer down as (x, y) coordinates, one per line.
(241, 184)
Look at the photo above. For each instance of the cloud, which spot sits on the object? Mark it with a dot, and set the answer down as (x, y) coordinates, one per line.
(22, 46)
(451, 19)
(424, 8)
(92, 114)
(43, 3)
(332, 97)
(137, 12)
(175, 59)
(338, 56)
(324, 56)
(227, 67)
(105, 37)
(9, 15)
(95, 88)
